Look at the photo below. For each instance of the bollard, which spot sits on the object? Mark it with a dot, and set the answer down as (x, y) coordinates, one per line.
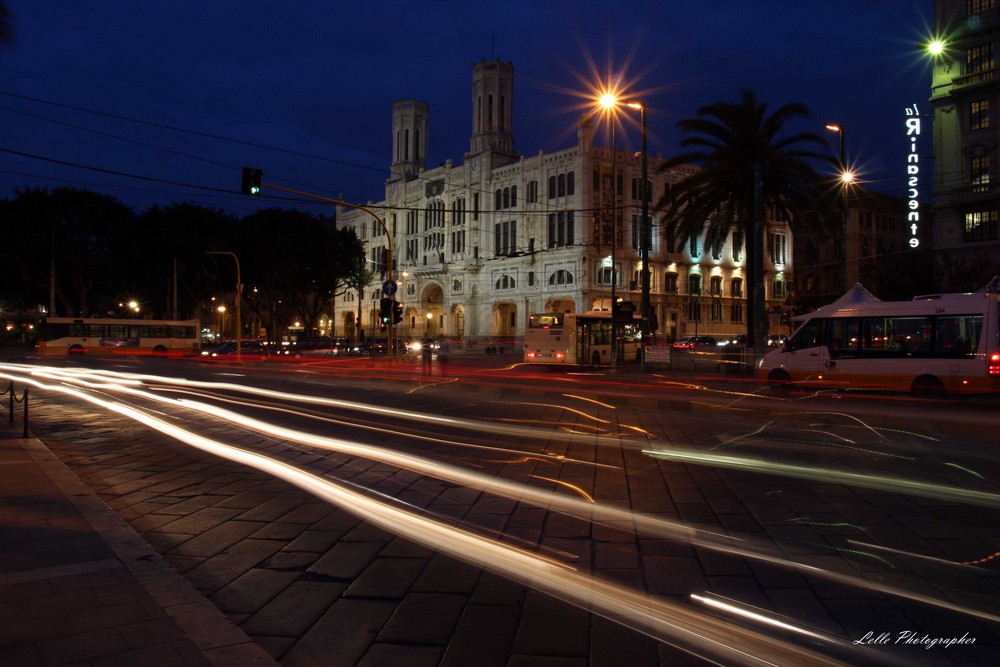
(24, 433)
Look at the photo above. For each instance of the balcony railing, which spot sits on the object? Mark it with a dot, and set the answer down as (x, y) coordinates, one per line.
(975, 192)
(982, 76)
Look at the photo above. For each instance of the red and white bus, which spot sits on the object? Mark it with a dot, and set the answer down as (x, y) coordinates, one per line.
(578, 339)
(86, 335)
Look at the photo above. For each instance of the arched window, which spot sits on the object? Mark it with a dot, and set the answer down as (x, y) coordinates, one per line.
(552, 187)
(715, 286)
(561, 277)
(736, 288)
(499, 201)
(570, 184)
(694, 285)
(513, 195)
(506, 197)
(670, 283)
(505, 282)
(561, 185)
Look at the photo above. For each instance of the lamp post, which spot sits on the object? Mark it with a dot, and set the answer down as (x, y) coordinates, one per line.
(645, 229)
(845, 178)
(390, 332)
(609, 102)
(239, 297)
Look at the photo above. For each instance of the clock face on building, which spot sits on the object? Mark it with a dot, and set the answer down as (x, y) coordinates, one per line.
(475, 164)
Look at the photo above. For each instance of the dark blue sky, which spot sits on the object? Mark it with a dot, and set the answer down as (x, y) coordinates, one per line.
(317, 79)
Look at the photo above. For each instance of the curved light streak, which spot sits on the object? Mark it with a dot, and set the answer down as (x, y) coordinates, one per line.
(830, 475)
(741, 547)
(658, 618)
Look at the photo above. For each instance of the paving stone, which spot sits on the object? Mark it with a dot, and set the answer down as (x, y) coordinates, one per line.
(482, 637)
(423, 619)
(346, 560)
(295, 609)
(549, 628)
(249, 592)
(386, 578)
(346, 631)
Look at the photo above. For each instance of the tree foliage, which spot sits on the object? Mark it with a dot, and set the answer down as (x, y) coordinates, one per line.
(741, 150)
(101, 253)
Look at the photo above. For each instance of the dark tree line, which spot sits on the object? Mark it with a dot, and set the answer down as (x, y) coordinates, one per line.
(87, 253)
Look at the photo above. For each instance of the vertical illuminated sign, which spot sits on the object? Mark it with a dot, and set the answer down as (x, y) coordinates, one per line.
(913, 174)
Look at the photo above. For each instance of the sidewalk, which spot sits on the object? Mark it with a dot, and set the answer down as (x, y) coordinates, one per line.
(79, 586)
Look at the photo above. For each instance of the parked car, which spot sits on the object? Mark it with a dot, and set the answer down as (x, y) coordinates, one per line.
(249, 349)
(691, 342)
(381, 345)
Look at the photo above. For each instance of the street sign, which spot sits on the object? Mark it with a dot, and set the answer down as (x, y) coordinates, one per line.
(389, 287)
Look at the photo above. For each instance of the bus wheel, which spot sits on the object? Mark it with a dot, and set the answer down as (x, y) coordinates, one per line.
(596, 359)
(159, 351)
(76, 349)
(779, 382)
(927, 386)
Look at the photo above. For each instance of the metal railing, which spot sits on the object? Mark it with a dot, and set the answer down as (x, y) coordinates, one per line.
(14, 399)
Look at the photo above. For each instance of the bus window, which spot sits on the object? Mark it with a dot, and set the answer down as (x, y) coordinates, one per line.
(957, 335)
(841, 337)
(808, 336)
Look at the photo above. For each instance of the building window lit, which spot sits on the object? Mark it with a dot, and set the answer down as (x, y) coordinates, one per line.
(979, 115)
(980, 226)
(979, 59)
(980, 167)
(777, 245)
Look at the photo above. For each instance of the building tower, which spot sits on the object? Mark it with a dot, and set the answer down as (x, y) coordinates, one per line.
(492, 107)
(409, 137)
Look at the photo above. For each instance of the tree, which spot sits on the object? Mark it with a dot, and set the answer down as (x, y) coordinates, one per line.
(6, 24)
(68, 243)
(169, 255)
(747, 166)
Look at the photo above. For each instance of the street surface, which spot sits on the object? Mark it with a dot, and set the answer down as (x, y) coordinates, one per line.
(358, 511)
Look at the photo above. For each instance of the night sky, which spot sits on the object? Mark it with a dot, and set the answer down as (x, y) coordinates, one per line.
(190, 91)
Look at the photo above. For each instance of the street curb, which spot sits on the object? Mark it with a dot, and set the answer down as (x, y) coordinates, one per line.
(220, 641)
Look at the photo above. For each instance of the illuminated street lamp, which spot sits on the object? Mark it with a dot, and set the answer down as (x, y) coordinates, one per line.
(609, 101)
(239, 297)
(645, 227)
(846, 178)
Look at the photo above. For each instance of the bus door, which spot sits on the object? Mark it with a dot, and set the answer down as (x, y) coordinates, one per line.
(838, 353)
(593, 341)
(804, 356)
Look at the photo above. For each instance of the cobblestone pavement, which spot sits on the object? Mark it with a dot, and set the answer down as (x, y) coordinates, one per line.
(313, 585)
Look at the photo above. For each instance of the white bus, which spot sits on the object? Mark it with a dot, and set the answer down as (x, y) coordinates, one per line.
(933, 345)
(84, 335)
(578, 339)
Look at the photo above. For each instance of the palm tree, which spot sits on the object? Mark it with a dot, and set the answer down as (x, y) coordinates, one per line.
(6, 24)
(747, 166)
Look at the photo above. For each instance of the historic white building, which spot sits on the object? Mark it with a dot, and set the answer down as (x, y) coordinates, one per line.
(478, 245)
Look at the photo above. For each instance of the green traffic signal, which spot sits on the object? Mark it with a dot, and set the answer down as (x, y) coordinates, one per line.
(251, 181)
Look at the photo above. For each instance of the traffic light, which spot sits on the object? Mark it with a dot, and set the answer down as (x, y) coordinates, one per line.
(384, 312)
(397, 312)
(251, 181)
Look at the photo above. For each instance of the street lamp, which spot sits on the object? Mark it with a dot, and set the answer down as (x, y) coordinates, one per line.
(645, 227)
(609, 101)
(239, 295)
(845, 180)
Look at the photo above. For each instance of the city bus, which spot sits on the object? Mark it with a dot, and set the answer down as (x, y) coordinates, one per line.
(930, 346)
(579, 339)
(86, 335)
